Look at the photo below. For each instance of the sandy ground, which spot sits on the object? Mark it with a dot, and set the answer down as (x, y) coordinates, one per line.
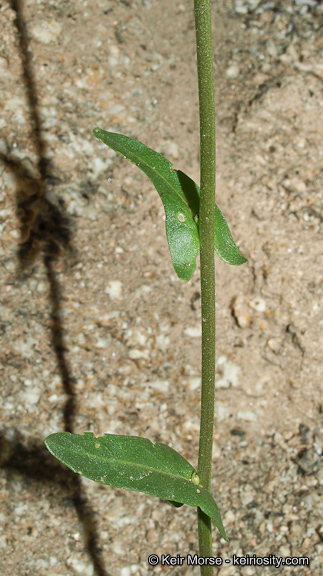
(97, 332)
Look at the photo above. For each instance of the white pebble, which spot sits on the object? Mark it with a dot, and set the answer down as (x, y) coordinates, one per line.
(114, 55)
(162, 342)
(229, 518)
(30, 396)
(26, 347)
(159, 385)
(173, 150)
(142, 290)
(274, 344)
(240, 7)
(135, 354)
(229, 371)
(193, 331)
(194, 383)
(114, 289)
(99, 166)
(247, 416)
(46, 32)
(233, 71)
(221, 360)
(222, 383)
(284, 551)
(42, 564)
(102, 343)
(241, 312)
(79, 567)
(41, 287)
(258, 304)
(271, 49)
(295, 185)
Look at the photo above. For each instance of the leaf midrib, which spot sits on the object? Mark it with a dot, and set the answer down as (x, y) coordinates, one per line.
(119, 461)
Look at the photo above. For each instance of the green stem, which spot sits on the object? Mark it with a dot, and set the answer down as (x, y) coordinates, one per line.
(203, 28)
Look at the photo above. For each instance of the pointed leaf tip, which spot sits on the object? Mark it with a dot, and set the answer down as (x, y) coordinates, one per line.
(181, 229)
(224, 244)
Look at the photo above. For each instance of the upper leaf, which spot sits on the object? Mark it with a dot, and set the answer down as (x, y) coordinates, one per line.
(181, 199)
(181, 229)
(135, 464)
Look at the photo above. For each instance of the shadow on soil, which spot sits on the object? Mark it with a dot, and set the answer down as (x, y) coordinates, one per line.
(44, 230)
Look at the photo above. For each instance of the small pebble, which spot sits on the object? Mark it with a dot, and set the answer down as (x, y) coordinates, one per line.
(258, 304)
(229, 518)
(159, 385)
(294, 185)
(222, 383)
(247, 415)
(194, 383)
(98, 166)
(274, 344)
(193, 331)
(233, 71)
(135, 354)
(247, 495)
(80, 567)
(30, 396)
(170, 149)
(241, 312)
(114, 289)
(231, 372)
(46, 32)
(271, 49)
(152, 535)
(41, 286)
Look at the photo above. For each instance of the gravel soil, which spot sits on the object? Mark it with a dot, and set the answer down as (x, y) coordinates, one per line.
(98, 333)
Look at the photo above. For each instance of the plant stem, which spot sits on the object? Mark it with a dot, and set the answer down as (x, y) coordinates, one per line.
(203, 28)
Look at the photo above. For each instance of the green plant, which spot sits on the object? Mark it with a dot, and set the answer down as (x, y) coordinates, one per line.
(193, 222)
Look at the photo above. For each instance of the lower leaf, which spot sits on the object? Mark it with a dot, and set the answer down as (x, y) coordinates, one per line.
(135, 464)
